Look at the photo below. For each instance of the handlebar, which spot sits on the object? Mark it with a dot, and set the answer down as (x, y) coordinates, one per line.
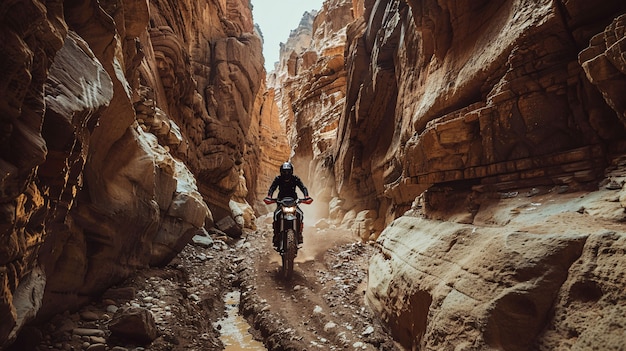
(273, 200)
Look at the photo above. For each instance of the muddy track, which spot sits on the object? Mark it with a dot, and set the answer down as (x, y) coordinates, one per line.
(322, 306)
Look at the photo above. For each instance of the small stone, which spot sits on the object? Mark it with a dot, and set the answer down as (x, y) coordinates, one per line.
(134, 324)
(562, 189)
(97, 347)
(613, 185)
(97, 340)
(202, 240)
(89, 316)
(330, 325)
(532, 192)
(88, 332)
(368, 331)
(508, 195)
(112, 308)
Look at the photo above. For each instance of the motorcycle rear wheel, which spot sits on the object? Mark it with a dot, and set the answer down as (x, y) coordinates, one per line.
(289, 254)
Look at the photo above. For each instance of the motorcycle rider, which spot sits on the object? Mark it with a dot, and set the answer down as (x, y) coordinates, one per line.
(286, 183)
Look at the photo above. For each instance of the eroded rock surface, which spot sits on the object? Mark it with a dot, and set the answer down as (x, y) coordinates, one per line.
(531, 273)
(309, 87)
(127, 128)
(443, 93)
(504, 115)
(455, 110)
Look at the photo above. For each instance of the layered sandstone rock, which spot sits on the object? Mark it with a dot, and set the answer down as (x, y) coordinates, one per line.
(507, 281)
(122, 124)
(273, 144)
(448, 107)
(484, 93)
(604, 63)
(309, 85)
(502, 115)
(207, 56)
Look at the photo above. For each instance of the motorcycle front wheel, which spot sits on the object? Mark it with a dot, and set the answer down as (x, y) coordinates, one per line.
(289, 254)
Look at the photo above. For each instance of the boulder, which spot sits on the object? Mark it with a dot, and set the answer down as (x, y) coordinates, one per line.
(134, 324)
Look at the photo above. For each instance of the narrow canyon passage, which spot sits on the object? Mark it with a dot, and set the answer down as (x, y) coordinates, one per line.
(323, 306)
(467, 161)
(192, 298)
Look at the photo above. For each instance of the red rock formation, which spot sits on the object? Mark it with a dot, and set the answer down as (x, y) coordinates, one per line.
(274, 146)
(120, 123)
(446, 106)
(309, 82)
(467, 106)
(471, 101)
(222, 59)
(605, 66)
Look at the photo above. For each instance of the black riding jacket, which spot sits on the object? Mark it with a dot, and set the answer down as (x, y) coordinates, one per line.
(287, 187)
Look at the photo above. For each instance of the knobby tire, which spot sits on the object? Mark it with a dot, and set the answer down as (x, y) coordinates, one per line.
(289, 255)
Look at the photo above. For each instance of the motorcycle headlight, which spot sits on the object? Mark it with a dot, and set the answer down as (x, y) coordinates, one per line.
(289, 209)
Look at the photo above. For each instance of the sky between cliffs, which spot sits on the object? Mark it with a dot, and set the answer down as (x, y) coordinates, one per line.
(276, 20)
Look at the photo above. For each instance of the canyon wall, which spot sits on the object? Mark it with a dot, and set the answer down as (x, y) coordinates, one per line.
(488, 137)
(484, 93)
(493, 131)
(388, 99)
(309, 84)
(127, 128)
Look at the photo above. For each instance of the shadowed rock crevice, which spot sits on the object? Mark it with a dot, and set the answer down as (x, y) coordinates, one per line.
(408, 328)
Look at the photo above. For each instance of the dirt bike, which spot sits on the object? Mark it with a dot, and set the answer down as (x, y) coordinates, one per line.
(290, 229)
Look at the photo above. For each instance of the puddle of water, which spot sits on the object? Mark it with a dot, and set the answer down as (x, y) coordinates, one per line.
(234, 328)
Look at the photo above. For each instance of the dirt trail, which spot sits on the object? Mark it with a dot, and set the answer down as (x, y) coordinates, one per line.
(322, 306)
